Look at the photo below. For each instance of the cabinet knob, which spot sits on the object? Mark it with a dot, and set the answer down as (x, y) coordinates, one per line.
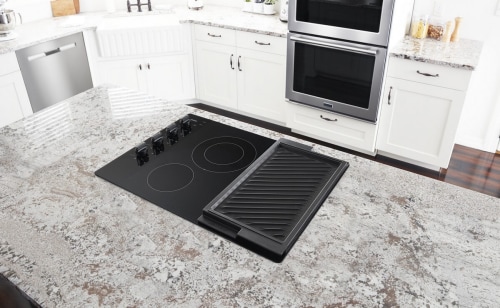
(140, 67)
(149, 66)
(231, 61)
(239, 64)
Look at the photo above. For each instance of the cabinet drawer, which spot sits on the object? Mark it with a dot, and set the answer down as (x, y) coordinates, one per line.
(8, 63)
(215, 35)
(261, 42)
(331, 127)
(441, 76)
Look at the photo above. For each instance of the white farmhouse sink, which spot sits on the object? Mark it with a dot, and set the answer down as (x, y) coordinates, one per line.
(139, 20)
(134, 34)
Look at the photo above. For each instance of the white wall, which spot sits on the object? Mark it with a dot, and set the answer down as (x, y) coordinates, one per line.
(480, 123)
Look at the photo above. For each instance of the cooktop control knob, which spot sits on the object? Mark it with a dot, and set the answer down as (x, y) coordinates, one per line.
(185, 124)
(141, 154)
(157, 143)
(172, 134)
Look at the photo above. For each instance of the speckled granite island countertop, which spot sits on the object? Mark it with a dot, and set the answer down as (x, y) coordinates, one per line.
(463, 54)
(217, 16)
(383, 238)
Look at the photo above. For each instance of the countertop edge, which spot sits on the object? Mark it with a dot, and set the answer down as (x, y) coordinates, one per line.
(463, 54)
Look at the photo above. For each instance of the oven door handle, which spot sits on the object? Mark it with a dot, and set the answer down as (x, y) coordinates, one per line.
(333, 46)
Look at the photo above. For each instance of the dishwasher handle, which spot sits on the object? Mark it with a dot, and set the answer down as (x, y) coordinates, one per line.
(51, 52)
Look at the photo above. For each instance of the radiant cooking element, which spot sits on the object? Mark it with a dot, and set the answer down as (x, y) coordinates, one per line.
(255, 191)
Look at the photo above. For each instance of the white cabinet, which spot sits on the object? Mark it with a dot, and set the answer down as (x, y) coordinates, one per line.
(216, 74)
(159, 62)
(15, 103)
(333, 128)
(241, 71)
(420, 111)
(166, 77)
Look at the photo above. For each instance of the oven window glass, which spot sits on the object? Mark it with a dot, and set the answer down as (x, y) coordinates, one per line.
(362, 15)
(332, 74)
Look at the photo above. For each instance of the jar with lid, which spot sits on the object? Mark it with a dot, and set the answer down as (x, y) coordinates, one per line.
(436, 28)
(420, 26)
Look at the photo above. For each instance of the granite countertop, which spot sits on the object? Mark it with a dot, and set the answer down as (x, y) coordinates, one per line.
(463, 54)
(384, 237)
(217, 16)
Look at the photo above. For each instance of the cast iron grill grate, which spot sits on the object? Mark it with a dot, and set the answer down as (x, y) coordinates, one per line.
(276, 195)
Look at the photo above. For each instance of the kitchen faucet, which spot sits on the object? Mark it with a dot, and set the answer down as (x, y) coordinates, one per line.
(139, 5)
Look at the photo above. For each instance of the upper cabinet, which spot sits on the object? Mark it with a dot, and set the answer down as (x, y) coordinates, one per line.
(420, 111)
(241, 71)
(15, 102)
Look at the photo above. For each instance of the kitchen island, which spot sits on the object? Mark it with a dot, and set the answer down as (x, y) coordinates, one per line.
(384, 237)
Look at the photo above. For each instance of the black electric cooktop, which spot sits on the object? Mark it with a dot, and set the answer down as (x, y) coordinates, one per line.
(257, 192)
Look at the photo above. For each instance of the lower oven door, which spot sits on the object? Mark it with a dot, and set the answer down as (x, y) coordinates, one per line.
(334, 75)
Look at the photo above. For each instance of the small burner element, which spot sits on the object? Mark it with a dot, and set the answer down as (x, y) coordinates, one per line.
(170, 177)
(224, 154)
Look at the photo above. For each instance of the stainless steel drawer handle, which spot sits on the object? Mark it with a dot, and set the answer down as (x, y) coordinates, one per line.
(321, 43)
(260, 43)
(51, 52)
(427, 74)
(214, 35)
(328, 119)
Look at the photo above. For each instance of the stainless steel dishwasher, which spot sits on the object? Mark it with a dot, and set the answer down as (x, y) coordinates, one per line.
(55, 70)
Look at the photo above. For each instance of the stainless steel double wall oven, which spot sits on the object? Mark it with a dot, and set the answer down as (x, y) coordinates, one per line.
(337, 51)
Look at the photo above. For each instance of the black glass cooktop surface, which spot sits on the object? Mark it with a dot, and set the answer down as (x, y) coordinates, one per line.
(184, 166)
(255, 191)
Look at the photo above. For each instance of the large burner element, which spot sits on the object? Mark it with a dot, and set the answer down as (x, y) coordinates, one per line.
(224, 154)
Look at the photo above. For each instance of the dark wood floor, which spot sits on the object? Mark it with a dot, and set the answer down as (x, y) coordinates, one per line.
(469, 168)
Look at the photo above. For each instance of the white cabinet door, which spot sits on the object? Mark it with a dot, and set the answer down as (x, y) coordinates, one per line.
(419, 121)
(14, 104)
(261, 84)
(170, 77)
(126, 73)
(216, 67)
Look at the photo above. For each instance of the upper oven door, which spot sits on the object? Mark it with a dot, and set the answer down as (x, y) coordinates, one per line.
(364, 21)
(334, 75)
